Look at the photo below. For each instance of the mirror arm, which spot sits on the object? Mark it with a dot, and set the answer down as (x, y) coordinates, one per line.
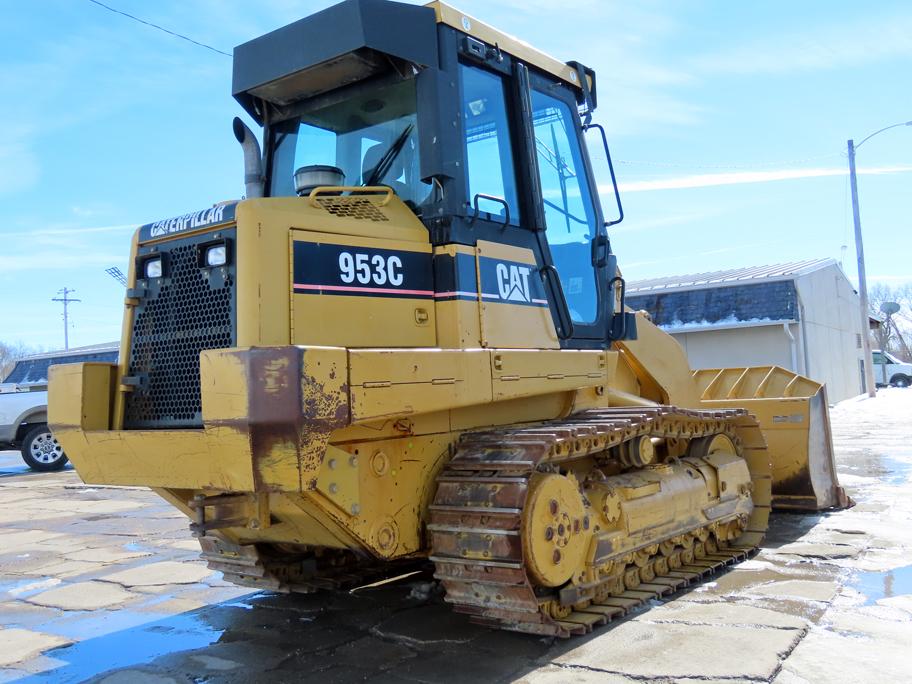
(617, 194)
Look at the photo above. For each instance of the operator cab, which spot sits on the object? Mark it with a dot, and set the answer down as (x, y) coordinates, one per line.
(479, 134)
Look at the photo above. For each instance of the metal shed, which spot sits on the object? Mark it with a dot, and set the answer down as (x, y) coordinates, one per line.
(801, 315)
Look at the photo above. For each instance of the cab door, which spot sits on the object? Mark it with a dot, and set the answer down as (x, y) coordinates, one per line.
(578, 265)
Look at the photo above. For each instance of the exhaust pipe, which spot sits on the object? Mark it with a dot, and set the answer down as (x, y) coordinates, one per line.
(253, 161)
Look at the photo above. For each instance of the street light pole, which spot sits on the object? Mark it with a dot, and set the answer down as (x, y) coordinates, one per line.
(859, 248)
(862, 280)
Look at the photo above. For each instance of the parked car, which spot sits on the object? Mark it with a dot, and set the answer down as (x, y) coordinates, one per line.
(888, 370)
(23, 405)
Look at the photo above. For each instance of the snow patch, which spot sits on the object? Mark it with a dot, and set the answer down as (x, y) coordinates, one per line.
(677, 325)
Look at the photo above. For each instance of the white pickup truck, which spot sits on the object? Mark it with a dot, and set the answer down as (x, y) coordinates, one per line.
(23, 405)
(23, 425)
(888, 370)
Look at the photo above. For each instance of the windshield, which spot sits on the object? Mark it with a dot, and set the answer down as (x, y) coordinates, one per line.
(355, 134)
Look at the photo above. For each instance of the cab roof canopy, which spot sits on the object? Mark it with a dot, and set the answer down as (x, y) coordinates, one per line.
(342, 44)
(357, 39)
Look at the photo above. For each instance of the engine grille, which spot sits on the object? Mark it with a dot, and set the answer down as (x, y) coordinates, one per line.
(189, 310)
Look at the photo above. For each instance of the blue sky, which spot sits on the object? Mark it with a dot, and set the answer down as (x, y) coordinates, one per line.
(727, 122)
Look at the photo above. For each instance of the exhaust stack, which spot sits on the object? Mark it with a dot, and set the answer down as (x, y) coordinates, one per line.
(253, 160)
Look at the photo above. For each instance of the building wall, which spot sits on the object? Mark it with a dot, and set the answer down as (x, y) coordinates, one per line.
(827, 345)
(765, 345)
(831, 327)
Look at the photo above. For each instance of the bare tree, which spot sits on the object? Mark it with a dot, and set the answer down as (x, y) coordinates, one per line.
(895, 332)
(10, 353)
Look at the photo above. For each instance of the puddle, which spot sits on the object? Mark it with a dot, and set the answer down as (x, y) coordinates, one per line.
(883, 468)
(892, 470)
(883, 584)
(240, 604)
(29, 586)
(12, 471)
(128, 647)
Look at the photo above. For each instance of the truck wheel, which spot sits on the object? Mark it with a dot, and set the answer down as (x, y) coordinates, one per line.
(41, 451)
(899, 381)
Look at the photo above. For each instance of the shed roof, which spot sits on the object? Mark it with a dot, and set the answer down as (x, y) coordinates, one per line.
(34, 369)
(75, 351)
(734, 276)
(742, 304)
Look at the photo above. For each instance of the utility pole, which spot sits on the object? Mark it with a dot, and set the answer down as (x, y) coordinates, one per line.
(66, 321)
(862, 280)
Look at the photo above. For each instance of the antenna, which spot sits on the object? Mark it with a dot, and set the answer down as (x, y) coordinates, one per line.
(66, 321)
(117, 274)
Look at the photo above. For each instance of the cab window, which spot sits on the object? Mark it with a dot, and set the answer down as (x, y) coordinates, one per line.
(569, 213)
(354, 134)
(489, 153)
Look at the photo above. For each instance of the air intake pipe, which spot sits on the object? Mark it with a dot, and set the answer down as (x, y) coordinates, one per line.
(253, 161)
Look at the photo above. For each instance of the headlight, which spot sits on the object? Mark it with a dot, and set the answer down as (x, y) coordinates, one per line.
(152, 268)
(216, 255)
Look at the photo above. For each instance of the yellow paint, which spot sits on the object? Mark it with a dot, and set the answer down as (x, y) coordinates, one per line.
(457, 320)
(338, 480)
(657, 362)
(792, 412)
(388, 382)
(523, 373)
(81, 399)
(366, 321)
(514, 46)
(512, 325)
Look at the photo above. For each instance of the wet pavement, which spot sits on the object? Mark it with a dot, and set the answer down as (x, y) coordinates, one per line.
(103, 584)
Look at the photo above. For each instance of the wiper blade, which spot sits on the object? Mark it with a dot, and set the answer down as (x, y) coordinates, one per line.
(386, 161)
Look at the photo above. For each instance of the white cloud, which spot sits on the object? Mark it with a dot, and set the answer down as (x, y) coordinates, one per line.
(51, 262)
(813, 48)
(632, 225)
(71, 230)
(706, 180)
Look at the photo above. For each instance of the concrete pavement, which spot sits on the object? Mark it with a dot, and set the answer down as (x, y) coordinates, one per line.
(103, 584)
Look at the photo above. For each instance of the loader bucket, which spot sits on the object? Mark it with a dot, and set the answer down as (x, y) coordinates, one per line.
(793, 415)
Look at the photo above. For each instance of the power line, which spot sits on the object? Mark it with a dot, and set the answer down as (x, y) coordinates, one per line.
(160, 28)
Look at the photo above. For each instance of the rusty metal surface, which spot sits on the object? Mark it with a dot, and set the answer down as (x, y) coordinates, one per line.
(477, 518)
(304, 571)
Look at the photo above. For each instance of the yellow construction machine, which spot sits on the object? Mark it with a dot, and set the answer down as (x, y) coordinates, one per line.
(409, 342)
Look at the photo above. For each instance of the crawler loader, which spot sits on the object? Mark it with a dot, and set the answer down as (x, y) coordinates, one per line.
(409, 343)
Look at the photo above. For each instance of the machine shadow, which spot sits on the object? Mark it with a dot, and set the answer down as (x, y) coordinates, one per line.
(402, 631)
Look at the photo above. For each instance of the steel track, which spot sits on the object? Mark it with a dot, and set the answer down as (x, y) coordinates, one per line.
(476, 517)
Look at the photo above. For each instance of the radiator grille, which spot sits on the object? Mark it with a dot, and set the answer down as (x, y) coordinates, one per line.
(192, 309)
